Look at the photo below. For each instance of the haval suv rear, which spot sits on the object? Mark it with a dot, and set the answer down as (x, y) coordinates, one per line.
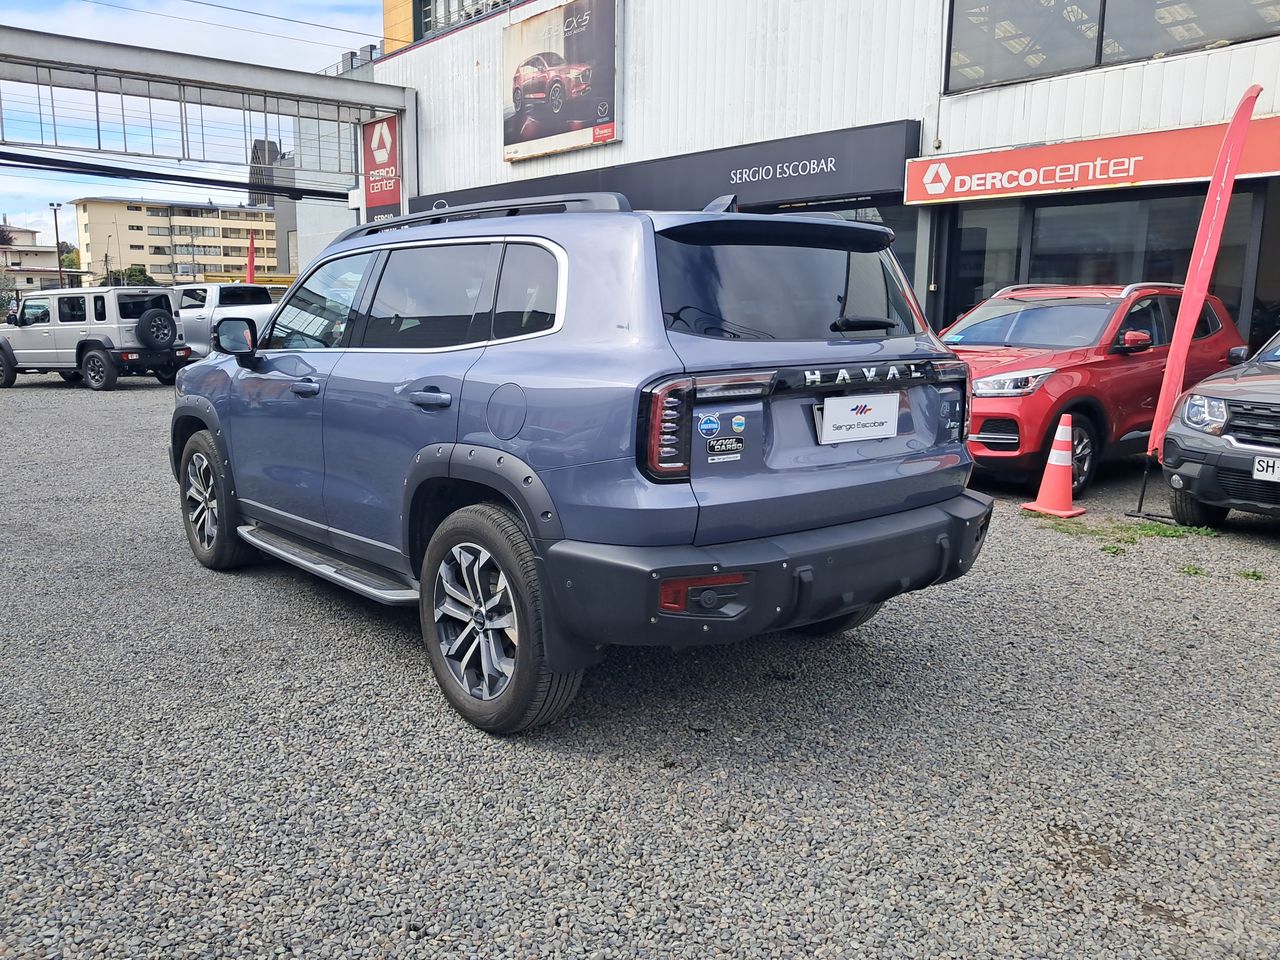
(585, 426)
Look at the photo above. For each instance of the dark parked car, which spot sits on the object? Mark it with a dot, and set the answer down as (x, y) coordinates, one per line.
(1222, 450)
(557, 425)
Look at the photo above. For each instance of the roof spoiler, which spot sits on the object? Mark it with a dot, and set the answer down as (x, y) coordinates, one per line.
(523, 206)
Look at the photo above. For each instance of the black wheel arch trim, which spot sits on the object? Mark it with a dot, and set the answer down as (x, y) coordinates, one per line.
(197, 408)
(7, 349)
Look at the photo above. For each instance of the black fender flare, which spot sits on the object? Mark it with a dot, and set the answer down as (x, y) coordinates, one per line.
(198, 408)
(7, 349)
(93, 343)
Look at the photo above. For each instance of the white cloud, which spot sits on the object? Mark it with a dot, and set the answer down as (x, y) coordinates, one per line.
(24, 196)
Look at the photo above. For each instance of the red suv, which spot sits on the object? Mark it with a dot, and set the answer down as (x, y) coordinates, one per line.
(1037, 351)
(548, 78)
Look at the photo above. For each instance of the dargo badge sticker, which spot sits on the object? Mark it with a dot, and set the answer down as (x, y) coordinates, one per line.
(724, 449)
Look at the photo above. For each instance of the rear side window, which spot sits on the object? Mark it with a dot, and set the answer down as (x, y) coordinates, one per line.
(749, 281)
(526, 291)
(99, 308)
(429, 297)
(316, 316)
(244, 296)
(71, 310)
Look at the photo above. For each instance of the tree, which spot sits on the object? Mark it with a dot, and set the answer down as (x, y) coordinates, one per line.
(132, 277)
(70, 258)
(6, 238)
(8, 290)
(65, 248)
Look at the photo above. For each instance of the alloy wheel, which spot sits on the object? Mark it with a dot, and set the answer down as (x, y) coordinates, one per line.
(476, 624)
(159, 329)
(202, 500)
(95, 370)
(1081, 455)
(557, 99)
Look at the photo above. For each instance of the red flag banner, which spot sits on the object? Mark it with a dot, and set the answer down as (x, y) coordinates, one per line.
(1200, 271)
(250, 273)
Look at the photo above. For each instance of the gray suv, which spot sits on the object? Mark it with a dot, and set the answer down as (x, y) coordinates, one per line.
(557, 424)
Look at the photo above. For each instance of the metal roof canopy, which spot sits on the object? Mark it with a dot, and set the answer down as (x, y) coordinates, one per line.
(113, 93)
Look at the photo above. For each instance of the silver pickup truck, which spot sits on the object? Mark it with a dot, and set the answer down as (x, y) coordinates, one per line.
(201, 305)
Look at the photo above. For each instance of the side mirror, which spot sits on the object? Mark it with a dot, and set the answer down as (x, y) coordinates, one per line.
(1134, 341)
(237, 336)
(1237, 355)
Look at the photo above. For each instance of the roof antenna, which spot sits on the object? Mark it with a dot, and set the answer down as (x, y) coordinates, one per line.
(726, 204)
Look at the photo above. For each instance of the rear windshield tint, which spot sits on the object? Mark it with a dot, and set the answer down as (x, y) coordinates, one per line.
(1059, 322)
(134, 305)
(244, 296)
(754, 281)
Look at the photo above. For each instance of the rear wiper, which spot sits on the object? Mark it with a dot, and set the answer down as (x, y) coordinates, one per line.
(848, 323)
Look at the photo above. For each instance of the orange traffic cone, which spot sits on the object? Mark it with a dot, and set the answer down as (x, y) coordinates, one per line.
(1054, 497)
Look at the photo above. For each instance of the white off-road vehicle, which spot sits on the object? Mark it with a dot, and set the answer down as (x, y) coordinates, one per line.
(94, 334)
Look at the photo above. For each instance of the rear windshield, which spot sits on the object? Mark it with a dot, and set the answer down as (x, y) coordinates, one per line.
(755, 281)
(244, 296)
(134, 305)
(1060, 322)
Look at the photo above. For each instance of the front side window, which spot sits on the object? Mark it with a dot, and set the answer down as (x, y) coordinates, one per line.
(1145, 316)
(799, 281)
(1025, 322)
(316, 316)
(429, 297)
(71, 310)
(526, 291)
(35, 310)
(195, 297)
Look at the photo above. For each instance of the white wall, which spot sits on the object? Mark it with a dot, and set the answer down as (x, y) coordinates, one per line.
(696, 75)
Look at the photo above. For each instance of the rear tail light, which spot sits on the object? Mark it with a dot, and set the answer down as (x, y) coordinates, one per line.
(667, 426)
(958, 370)
(675, 594)
(734, 386)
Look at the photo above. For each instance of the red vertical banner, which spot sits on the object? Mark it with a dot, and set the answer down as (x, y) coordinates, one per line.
(250, 273)
(1200, 271)
(382, 180)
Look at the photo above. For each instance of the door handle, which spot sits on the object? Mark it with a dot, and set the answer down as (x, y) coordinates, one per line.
(305, 388)
(430, 398)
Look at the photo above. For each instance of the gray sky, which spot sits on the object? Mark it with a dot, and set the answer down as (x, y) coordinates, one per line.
(224, 34)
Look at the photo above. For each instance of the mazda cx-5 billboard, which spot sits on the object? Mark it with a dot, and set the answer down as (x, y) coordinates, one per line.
(561, 73)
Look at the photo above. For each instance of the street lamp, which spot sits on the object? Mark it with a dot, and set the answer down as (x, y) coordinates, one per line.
(57, 239)
(106, 264)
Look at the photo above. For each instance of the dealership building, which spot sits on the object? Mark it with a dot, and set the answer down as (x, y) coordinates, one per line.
(1004, 141)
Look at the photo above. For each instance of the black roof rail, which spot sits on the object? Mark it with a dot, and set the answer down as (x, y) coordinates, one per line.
(523, 206)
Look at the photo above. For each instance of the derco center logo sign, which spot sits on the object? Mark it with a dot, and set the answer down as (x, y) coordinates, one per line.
(1162, 156)
(380, 143)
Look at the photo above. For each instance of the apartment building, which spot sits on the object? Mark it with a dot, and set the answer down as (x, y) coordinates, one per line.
(30, 264)
(174, 242)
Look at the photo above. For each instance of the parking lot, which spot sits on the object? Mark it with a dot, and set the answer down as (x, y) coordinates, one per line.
(1070, 752)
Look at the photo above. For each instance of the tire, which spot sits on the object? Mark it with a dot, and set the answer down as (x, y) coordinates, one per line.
(71, 376)
(840, 624)
(485, 545)
(1190, 512)
(99, 370)
(209, 513)
(8, 372)
(167, 377)
(156, 329)
(555, 98)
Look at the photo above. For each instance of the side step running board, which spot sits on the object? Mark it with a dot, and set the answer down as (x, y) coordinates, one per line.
(315, 559)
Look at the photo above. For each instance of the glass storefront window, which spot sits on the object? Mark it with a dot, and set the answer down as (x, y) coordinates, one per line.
(1087, 243)
(985, 254)
(997, 41)
(1140, 29)
(994, 41)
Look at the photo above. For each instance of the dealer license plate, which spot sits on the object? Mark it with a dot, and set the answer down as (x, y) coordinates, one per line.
(1266, 468)
(862, 416)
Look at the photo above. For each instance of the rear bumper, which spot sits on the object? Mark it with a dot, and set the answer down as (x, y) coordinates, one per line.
(1214, 472)
(141, 358)
(606, 594)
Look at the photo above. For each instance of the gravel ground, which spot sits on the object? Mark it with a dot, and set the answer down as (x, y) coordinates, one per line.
(1071, 752)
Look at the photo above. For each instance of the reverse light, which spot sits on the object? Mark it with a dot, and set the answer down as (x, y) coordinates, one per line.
(674, 594)
(1016, 383)
(1206, 414)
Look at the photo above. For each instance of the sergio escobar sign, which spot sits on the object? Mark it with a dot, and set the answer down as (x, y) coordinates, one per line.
(1163, 156)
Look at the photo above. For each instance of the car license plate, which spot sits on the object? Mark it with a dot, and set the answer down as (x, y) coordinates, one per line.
(862, 416)
(1266, 468)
